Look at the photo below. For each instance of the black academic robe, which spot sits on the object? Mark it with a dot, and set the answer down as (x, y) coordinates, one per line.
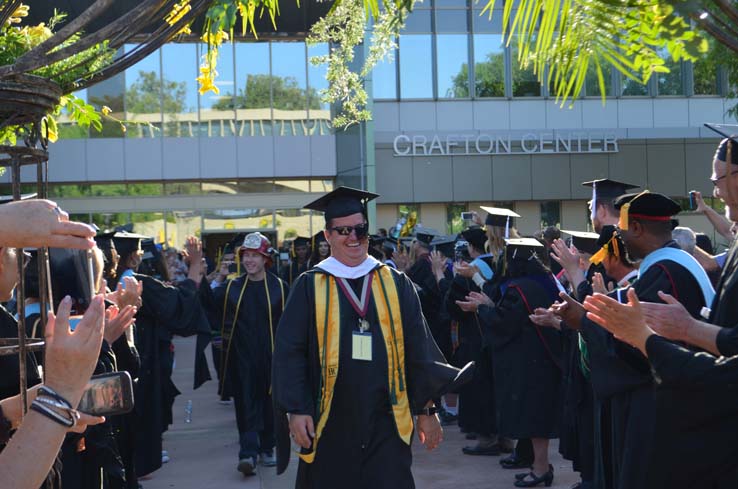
(247, 342)
(165, 311)
(431, 302)
(477, 408)
(360, 447)
(640, 414)
(526, 359)
(290, 273)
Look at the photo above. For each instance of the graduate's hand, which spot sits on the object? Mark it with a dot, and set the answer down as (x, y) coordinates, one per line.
(465, 270)
(567, 257)
(430, 432)
(625, 321)
(117, 322)
(701, 206)
(128, 296)
(438, 263)
(598, 284)
(401, 259)
(545, 317)
(569, 310)
(302, 429)
(670, 320)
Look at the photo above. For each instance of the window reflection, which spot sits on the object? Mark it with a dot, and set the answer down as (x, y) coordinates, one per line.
(706, 70)
(240, 187)
(292, 223)
(525, 83)
(292, 185)
(592, 82)
(484, 24)
(489, 65)
(452, 51)
(419, 21)
(320, 114)
(143, 97)
(179, 89)
(451, 21)
(416, 74)
(108, 220)
(217, 117)
(384, 81)
(109, 93)
(149, 224)
(289, 88)
(631, 87)
(180, 225)
(238, 219)
(454, 223)
(550, 213)
(253, 99)
(181, 188)
(670, 83)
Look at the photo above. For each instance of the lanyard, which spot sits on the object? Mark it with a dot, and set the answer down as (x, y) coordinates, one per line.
(360, 304)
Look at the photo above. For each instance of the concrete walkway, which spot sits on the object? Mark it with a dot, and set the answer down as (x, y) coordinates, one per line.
(204, 452)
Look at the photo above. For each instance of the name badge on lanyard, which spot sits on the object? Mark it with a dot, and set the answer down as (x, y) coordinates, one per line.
(361, 340)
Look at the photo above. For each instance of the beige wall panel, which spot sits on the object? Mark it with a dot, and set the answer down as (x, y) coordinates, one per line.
(585, 168)
(386, 216)
(666, 169)
(551, 177)
(698, 165)
(574, 215)
(629, 165)
(530, 220)
(434, 216)
(472, 178)
(432, 179)
(511, 177)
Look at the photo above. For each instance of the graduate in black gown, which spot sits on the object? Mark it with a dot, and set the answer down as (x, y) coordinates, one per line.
(247, 310)
(320, 249)
(299, 260)
(353, 362)
(526, 358)
(619, 372)
(165, 311)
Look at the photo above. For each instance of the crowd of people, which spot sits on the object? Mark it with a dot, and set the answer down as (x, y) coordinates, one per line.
(618, 342)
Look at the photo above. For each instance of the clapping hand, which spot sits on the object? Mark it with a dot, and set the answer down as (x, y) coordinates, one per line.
(569, 310)
(464, 269)
(598, 284)
(545, 317)
(473, 301)
(625, 321)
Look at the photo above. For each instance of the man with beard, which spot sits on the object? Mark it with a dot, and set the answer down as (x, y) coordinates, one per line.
(619, 372)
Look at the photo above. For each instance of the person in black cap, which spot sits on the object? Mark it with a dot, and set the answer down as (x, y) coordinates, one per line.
(642, 423)
(526, 359)
(601, 207)
(354, 361)
(321, 249)
(299, 254)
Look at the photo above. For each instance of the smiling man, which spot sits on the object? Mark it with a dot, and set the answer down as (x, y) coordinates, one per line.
(354, 362)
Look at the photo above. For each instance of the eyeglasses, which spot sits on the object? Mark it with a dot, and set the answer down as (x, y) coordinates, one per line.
(715, 181)
(361, 230)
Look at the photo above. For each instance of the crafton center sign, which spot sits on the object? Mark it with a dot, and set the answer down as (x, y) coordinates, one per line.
(562, 142)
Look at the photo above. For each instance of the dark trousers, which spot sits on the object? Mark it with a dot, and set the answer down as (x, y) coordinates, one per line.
(254, 442)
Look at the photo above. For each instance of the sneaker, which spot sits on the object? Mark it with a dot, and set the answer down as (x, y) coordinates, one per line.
(164, 456)
(267, 460)
(247, 465)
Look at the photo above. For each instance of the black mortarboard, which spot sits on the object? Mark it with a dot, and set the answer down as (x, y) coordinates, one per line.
(342, 202)
(376, 239)
(425, 235)
(475, 236)
(501, 217)
(647, 206)
(444, 244)
(318, 238)
(604, 188)
(722, 151)
(126, 242)
(104, 240)
(522, 248)
(300, 241)
(584, 241)
(609, 242)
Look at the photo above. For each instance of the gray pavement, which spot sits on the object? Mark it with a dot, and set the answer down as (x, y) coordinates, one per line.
(204, 452)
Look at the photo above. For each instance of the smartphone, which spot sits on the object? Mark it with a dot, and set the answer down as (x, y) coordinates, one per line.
(692, 201)
(467, 216)
(283, 256)
(107, 395)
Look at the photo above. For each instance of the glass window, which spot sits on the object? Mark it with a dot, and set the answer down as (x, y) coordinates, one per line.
(483, 24)
(108, 220)
(706, 71)
(292, 185)
(62, 191)
(238, 219)
(592, 81)
(145, 189)
(454, 223)
(451, 21)
(181, 188)
(143, 97)
(489, 65)
(452, 51)
(525, 83)
(180, 225)
(110, 93)
(409, 217)
(632, 88)
(384, 78)
(68, 129)
(289, 88)
(320, 112)
(550, 213)
(216, 109)
(109, 190)
(149, 224)
(450, 3)
(240, 187)
(253, 99)
(418, 21)
(671, 83)
(416, 75)
(292, 223)
(179, 89)
(321, 185)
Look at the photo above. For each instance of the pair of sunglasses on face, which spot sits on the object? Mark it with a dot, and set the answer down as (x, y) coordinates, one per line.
(361, 230)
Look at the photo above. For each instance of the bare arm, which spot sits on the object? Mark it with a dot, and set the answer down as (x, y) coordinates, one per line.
(721, 223)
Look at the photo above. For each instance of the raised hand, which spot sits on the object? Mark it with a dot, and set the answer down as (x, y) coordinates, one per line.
(36, 223)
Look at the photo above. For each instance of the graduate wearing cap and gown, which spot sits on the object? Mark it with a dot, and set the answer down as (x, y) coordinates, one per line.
(247, 310)
(526, 358)
(477, 408)
(299, 260)
(320, 249)
(165, 311)
(354, 360)
(618, 372)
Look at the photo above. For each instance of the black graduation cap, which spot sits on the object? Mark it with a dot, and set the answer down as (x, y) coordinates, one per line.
(604, 188)
(376, 239)
(722, 151)
(609, 242)
(127, 242)
(318, 238)
(648, 206)
(522, 248)
(475, 236)
(425, 235)
(444, 244)
(499, 216)
(342, 202)
(584, 241)
(300, 241)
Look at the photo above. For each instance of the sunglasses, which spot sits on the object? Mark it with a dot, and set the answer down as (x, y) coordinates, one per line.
(361, 230)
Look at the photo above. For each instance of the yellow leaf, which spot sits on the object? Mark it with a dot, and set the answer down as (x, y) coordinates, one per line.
(105, 110)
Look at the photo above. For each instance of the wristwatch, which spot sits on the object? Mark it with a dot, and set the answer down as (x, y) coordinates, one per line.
(429, 411)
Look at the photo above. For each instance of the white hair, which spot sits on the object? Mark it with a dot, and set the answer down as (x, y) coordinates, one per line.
(685, 238)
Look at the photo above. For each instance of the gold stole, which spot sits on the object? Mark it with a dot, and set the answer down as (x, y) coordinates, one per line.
(328, 327)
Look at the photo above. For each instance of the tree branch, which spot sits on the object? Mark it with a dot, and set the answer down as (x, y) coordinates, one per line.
(720, 36)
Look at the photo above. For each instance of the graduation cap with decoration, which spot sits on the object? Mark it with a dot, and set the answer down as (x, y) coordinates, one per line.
(584, 241)
(646, 206)
(606, 189)
(342, 202)
(728, 148)
(522, 248)
(500, 217)
(609, 243)
(475, 236)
